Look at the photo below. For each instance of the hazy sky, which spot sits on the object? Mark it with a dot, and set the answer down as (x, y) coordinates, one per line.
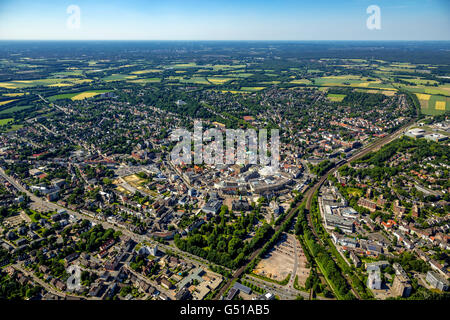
(225, 20)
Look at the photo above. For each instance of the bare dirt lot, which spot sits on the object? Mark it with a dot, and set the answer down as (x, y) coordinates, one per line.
(285, 258)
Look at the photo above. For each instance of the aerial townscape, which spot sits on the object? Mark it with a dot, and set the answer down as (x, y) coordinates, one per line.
(354, 205)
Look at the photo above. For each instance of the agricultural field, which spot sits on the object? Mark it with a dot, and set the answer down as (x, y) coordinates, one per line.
(6, 102)
(145, 80)
(195, 80)
(300, 81)
(77, 95)
(252, 89)
(336, 97)
(5, 121)
(147, 71)
(433, 104)
(18, 84)
(217, 80)
(419, 81)
(119, 77)
(348, 80)
(16, 94)
(14, 109)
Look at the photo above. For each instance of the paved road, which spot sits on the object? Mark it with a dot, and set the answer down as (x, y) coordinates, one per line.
(284, 292)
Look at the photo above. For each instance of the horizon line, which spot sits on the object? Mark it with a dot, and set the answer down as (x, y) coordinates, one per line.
(238, 40)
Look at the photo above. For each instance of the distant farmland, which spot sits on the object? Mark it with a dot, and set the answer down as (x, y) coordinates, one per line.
(77, 95)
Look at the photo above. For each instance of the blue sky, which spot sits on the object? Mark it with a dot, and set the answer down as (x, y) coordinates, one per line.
(225, 20)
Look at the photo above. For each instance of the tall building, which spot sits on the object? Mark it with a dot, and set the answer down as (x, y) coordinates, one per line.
(374, 279)
(402, 286)
(437, 281)
(415, 212)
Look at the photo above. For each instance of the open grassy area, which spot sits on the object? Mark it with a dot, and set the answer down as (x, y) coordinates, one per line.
(239, 74)
(348, 80)
(336, 97)
(119, 77)
(77, 95)
(67, 73)
(146, 71)
(145, 80)
(16, 94)
(184, 65)
(217, 80)
(419, 81)
(195, 80)
(14, 109)
(6, 102)
(18, 84)
(300, 81)
(84, 95)
(5, 121)
(433, 104)
(252, 89)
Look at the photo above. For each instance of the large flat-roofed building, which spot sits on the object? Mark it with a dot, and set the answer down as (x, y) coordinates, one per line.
(260, 186)
(437, 281)
(232, 293)
(435, 137)
(242, 288)
(374, 279)
(415, 133)
(212, 206)
(345, 224)
(377, 265)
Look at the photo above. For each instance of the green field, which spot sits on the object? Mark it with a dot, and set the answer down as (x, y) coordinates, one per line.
(5, 121)
(220, 80)
(336, 97)
(15, 109)
(441, 90)
(195, 80)
(146, 71)
(300, 81)
(348, 80)
(75, 94)
(119, 77)
(68, 73)
(252, 89)
(434, 104)
(419, 81)
(17, 84)
(145, 80)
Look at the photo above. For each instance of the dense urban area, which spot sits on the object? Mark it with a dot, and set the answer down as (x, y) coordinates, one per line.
(92, 206)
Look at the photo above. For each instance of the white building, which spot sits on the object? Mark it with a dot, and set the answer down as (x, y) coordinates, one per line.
(374, 279)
